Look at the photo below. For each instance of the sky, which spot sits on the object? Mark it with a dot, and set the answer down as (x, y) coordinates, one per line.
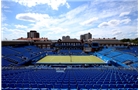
(56, 18)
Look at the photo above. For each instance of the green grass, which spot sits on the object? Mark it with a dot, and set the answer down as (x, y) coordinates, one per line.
(71, 60)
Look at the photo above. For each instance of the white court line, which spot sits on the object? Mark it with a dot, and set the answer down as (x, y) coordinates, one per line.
(89, 59)
(81, 59)
(52, 59)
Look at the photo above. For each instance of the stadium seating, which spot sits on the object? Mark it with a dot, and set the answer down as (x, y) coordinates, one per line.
(135, 65)
(7, 51)
(105, 51)
(124, 57)
(20, 55)
(95, 78)
(105, 58)
(132, 50)
(111, 54)
(16, 75)
(71, 52)
(6, 62)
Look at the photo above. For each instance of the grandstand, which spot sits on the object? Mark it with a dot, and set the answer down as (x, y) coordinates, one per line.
(65, 66)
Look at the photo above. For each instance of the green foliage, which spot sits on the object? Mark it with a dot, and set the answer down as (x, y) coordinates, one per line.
(135, 41)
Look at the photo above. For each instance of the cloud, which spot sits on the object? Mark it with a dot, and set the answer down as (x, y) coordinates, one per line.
(31, 17)
(54, 4)
(3, 17)
(104, 24)
(125, 21)
(55, 32)
(25, 17)
(109, 23)
(116, 32)
(90, 21)
(4, 6)
(113, 23)
(124, 14)
(75, 12)
(67, 5)
(8, 11)
(53, 24)
(58, 30)
(12, 33)
(4, 24)
(125, 32)
(20, 26)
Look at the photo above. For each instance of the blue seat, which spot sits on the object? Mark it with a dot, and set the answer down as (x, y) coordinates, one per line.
(5, 81)
(79, 82)
(26, 85)
(113, 82)
(134, 86)
(52, 82)
(4, 85)
(81, 86)
(34, 85)
(57, 86)
(131, 82)
(112, 85)
(128, 86)
(73, 86)
(59, 82)
(65, 86)
(11, 85)
(25, 81)
(92, 82)
(86, 82)
(119, 82)
(97, 86)
(106, 82)
(19, 81)
(89, 86)
(125, 82)
(41, 86)
(132, 89)
(12, 81)
(65, 82)
(99, 82)
(104, 86)
(18, 85)
(120, 86)
(49, 86)
(72, 82)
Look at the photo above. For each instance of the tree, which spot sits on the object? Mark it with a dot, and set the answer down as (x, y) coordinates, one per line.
(135, 41)
(59, 40)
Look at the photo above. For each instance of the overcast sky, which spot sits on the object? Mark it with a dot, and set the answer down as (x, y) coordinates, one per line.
(56, 18)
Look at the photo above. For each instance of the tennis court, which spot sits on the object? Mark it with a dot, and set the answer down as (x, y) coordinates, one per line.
(70, 60)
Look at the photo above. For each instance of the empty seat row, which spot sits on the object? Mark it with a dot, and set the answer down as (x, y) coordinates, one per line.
(84, 86)
(71, 78)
